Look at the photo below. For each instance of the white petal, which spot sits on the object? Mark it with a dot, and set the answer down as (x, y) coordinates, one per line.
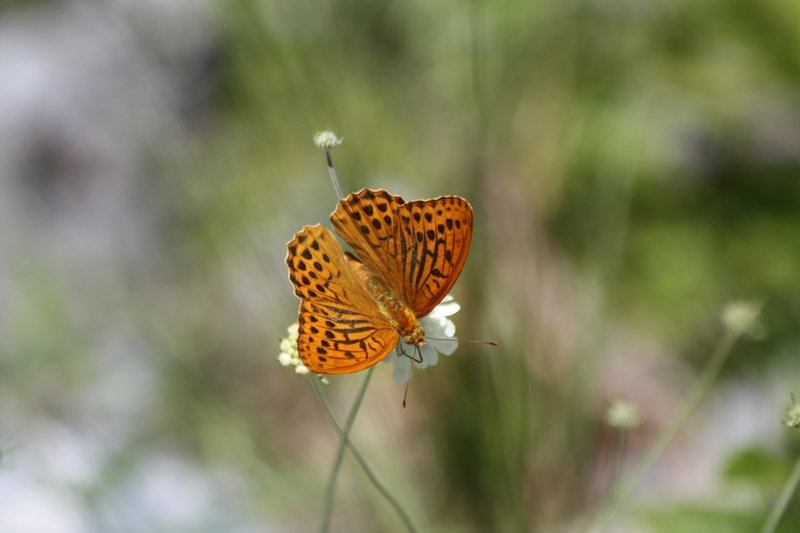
(402, 369)
(449, 329)
(433, 325)
(285, 359)
(446, 347)
(429, 356)
(446, 308)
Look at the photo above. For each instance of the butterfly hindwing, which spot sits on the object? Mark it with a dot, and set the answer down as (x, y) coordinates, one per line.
(340, 327)
(335, 341)
(432, 243)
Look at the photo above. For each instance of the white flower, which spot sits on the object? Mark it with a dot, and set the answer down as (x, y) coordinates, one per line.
(289, 355)
(740, 318)
(327, 140)
(437, 326)
(623, 415)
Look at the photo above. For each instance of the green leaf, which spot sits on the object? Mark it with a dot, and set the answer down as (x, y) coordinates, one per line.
(757, 466)
(693, 519)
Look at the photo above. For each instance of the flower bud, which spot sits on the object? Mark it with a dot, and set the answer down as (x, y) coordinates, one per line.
(327, 140)
(623, 415)
(792, 418)
(740, 318)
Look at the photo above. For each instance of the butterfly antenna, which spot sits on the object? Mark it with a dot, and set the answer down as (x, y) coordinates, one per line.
(490, 343)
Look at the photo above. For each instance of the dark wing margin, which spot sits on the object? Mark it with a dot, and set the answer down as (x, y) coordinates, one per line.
(432, 241)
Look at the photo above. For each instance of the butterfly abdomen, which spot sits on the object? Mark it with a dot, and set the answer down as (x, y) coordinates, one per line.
(402, 319)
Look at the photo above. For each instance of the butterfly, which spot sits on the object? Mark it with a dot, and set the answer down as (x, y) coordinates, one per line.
(354, 310)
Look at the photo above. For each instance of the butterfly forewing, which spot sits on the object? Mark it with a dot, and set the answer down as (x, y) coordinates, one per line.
(432, 243)
(366, 221)
(340, 326)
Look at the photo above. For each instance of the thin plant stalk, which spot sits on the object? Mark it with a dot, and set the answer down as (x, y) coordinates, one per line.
(385, 492)
(623, 448)
(337, 463)
(332, 172)
(783, 500)
(696, 394)
(344, 432)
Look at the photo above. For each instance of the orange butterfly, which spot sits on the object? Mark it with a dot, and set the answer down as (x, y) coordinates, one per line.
(353, 312)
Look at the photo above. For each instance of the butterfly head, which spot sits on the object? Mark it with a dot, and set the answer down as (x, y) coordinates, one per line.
(416, 336)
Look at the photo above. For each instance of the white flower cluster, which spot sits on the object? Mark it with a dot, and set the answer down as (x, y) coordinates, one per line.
(436, 325)
(289, 355)
(623, 415)
(740, 318)
(327, 140)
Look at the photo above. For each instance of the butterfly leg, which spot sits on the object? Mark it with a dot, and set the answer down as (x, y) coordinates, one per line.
(417, 353)
(416, 356)
(401, 350)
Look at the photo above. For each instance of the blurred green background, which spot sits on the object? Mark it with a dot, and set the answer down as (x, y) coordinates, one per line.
(633, 166)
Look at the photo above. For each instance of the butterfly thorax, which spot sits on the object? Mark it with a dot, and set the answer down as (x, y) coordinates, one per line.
(400, 316)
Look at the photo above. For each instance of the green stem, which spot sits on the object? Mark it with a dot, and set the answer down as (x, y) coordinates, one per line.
(361, 460)
(783, 500)
(623, 446)
(332, 172)
(695, 395)
(337, 463)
